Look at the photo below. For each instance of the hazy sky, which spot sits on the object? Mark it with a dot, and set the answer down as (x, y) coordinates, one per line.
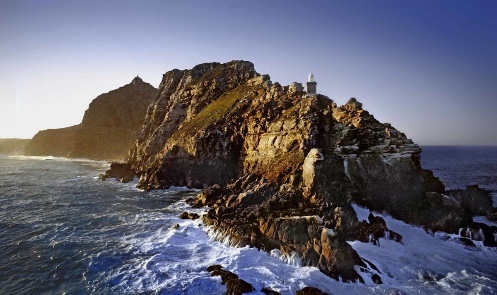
(427, 67)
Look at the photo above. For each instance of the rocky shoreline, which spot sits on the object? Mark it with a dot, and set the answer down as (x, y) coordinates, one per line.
(281, 169)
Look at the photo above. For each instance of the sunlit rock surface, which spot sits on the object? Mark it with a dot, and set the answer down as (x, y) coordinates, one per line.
(280, 170)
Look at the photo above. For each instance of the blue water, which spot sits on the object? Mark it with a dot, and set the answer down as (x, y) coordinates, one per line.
(62, 231)
(459, 166)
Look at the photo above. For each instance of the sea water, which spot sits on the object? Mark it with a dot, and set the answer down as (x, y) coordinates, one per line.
(63, 231)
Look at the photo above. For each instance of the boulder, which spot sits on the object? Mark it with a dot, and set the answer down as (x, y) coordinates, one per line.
(234, 285)
(120, 171)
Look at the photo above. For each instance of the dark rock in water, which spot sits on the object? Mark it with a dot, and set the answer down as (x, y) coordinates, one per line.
(214, 267)
(478, 201)
(466, 242)
(337, 259)
(371, 264)
(186, 215)
(268, 291)
(193, 216)
(234, 285)
(485, 233)
(376, 279)
(372, 232)
(120, 171)
(429, 276)
(126, 178)
(492, 216)
(311, 291)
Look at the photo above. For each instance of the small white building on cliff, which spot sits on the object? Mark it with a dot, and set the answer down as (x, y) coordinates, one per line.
(311, 86)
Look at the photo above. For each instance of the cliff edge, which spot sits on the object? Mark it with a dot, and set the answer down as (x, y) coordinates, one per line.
(52, 142)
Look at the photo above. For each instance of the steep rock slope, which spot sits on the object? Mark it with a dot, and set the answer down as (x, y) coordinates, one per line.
(280, 170)
(111, 122)
(52, 142)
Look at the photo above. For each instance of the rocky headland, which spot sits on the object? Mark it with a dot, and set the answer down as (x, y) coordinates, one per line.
(281, 169)
(52, 142)
(109, 127)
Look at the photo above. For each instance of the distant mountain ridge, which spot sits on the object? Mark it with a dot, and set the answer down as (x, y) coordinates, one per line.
(13, 146)
(109, 126)
(52, 142)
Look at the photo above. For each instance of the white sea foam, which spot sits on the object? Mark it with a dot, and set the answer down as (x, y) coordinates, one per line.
(173, 260)
(346, 167)
(40, 158)
(494, 199)
(428, 264)
(52, 158)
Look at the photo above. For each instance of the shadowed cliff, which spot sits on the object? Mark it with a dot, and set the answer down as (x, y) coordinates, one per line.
(52, 142)
(111, 122)
(108, 129)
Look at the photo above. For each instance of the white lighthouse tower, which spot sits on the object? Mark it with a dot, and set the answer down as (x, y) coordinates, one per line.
(311, 85)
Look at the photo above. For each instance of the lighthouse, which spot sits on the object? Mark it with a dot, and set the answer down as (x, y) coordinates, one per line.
(311, 85)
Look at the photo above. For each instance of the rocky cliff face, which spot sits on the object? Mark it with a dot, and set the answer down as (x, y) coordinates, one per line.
(52, 142)
(108, 129)
(281, 170)
(111, 122)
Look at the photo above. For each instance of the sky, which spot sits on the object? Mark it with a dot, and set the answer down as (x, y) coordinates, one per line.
(427, 67)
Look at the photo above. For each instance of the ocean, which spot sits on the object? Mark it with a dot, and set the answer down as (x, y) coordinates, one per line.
(63, 231)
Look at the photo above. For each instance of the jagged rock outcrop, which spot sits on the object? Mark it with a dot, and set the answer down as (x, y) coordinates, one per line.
(182, 96)
(13, 146)
(280, 169)
(112, 121)
(52, 142)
